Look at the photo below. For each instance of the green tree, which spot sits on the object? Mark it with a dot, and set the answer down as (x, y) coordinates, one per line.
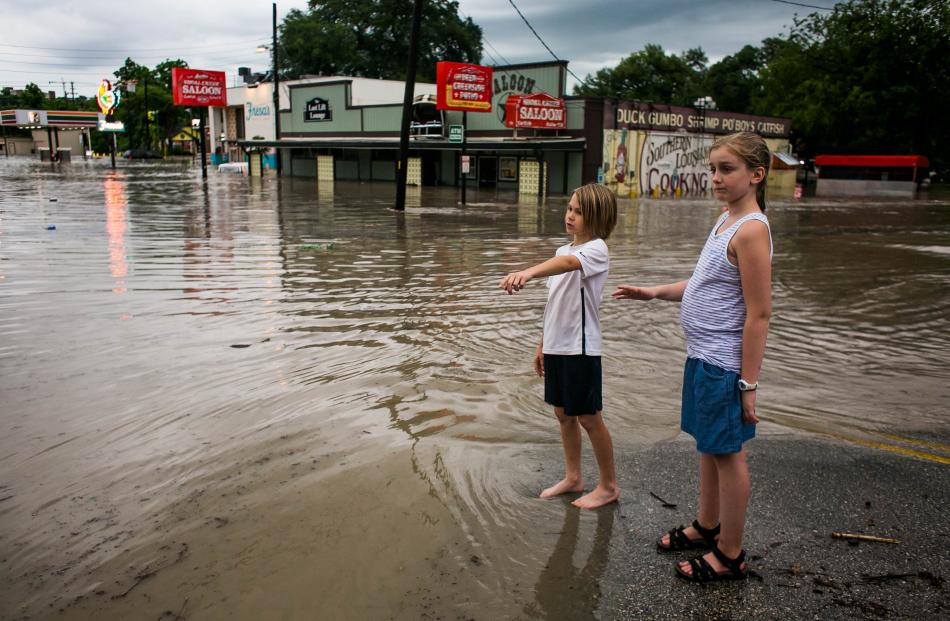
(33, 97)
(734, 81)
(370, 38)
(165, 118)
(870, 77)
(163, 72)
(651, 75)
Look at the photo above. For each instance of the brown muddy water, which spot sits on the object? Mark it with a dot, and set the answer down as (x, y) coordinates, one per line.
(251, 399)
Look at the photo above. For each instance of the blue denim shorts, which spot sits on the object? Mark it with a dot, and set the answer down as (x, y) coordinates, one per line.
(712, 408)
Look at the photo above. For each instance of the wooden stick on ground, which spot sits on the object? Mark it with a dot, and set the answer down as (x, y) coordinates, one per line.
(864, 537)
(667, 505)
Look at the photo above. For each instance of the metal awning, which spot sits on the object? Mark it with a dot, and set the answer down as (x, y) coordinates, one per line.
(787, 158)
(425, 144)
(41, 119)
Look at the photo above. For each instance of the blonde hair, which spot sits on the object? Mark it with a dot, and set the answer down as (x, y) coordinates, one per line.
(598, 207)
(751, 149)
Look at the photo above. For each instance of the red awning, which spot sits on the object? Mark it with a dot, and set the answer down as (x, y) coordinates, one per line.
(873, 161)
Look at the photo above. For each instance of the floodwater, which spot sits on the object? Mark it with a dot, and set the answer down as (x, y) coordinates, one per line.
(248, 399)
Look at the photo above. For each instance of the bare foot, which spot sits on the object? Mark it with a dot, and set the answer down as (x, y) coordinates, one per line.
(598, 498)
(565, 486)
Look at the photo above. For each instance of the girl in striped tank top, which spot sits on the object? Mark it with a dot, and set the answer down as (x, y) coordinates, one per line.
(726, 305)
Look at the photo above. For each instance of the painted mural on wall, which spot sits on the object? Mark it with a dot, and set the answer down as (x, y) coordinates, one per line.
(619, 170)
(674, 164)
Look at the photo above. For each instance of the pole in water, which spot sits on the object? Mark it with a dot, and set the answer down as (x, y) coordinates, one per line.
(403, 161)
(277, 162)
(464, 156)
(204, 147)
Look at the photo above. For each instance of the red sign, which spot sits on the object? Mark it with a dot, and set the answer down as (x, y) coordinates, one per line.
(538, 110)
(196, 87)
(461, 86)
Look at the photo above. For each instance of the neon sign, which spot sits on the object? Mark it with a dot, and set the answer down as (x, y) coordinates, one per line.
(107, 98)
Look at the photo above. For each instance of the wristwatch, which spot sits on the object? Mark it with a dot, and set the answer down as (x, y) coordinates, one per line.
(745, 386)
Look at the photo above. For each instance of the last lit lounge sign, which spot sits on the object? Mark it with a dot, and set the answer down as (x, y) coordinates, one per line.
(197, 87)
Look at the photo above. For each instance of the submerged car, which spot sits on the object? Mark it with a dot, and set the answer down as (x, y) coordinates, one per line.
(141, 154)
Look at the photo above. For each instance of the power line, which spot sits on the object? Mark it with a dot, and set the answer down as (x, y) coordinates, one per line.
(152, 49)
(214, 52)
(500, 55)
(485, 39)
(235, 58)
(807, 6)
(540, 39)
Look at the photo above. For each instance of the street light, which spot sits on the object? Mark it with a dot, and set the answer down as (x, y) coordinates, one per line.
(273, 48)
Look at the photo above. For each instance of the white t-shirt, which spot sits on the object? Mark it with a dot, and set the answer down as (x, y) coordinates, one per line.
(572, 315)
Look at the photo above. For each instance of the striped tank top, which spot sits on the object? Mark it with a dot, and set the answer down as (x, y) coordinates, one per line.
(713, 310)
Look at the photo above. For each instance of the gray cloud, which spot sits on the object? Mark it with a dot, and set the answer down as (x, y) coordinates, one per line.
(95, 36)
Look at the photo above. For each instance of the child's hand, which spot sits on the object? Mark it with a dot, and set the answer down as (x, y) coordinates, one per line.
(748, 407)
(539, 362)
(515, 281)
(629, 292)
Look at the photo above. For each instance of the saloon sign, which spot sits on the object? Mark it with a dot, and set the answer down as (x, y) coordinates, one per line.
(540, 111)
(195, 87)
(463, 87)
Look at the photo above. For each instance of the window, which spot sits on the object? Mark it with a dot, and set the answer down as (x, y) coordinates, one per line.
(508, 169)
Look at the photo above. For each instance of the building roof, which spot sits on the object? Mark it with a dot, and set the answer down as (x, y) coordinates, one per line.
(36, 119)
(873, 161)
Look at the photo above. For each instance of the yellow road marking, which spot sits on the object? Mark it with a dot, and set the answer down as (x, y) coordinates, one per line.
(943, 448)
(900, 450)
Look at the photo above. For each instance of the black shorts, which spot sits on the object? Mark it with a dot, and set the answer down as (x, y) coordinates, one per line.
(573, 383)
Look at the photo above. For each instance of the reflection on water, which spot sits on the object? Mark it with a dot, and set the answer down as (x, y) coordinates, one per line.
(274, 347)
(116, 204)
(563, 591)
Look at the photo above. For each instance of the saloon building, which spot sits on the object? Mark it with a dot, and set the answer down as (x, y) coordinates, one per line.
(348, 128)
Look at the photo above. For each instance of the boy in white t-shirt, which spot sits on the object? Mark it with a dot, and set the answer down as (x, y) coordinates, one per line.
(568, 356)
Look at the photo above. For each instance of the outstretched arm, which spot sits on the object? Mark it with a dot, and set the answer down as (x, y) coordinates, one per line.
(672, 292)
(515, 281)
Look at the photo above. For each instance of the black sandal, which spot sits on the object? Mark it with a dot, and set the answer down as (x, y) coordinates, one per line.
(679, 541)
(702, 571)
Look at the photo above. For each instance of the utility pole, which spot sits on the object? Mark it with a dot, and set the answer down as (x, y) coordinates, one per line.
(63, 82)
(407, 108)
(277, 162)
(148, 138)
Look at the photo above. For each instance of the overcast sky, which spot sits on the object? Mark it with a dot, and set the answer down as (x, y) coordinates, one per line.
(83, 42)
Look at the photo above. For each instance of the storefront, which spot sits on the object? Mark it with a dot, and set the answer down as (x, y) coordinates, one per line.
(344, 128)
(660, 150)
(348, 129)
(871, 175)
(55, 134)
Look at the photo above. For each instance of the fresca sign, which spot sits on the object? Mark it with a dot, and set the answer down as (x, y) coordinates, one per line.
(539, 110)
(464, 87)
(196, 87)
